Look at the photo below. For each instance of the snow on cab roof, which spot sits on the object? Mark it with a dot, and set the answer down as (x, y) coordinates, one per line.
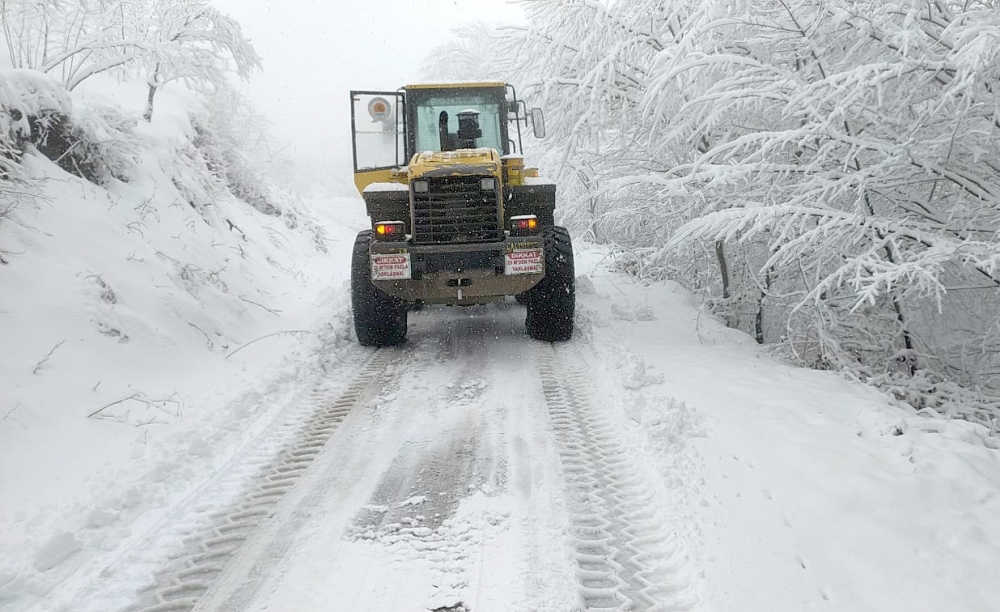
(460, 84)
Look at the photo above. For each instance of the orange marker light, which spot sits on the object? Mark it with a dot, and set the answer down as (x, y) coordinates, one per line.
(390, 230)
(523, 224)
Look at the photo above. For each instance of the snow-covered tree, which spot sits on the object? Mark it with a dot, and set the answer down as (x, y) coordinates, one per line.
(474, 52)
(834, 161)
(71, 41)
(159, 40)
(861, 141)
(193, 42)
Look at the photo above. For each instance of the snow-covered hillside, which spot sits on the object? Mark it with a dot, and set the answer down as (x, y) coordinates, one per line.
(123, 300)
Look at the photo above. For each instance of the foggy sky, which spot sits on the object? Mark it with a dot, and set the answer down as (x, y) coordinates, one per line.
(316, 51)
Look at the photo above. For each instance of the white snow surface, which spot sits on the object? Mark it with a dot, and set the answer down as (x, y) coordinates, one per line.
(121, 307)
(773, 488)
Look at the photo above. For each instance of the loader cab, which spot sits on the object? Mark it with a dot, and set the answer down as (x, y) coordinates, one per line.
(389, 128)
(452, 118)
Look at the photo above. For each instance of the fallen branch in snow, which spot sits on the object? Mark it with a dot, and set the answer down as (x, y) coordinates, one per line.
(136, 226)
(38, 366)
(11, 411)
(291, 331)
(30, 228)
(270, 310)
(152, 421)
(233, 226)
(172, 406)
(5, 252)
(68, 150)
(211, 345)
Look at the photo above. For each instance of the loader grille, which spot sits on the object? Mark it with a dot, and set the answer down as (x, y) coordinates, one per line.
(456, 210)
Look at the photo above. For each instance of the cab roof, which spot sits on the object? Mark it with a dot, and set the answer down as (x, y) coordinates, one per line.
(470, 85)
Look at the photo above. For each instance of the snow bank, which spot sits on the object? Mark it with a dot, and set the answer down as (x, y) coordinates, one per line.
(94, 141)
(792, 489)
(123, 298)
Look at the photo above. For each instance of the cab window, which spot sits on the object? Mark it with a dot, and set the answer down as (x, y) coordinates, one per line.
(437, 125)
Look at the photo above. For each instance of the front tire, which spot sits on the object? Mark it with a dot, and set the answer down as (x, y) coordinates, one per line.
(379, 318)
(552, 302)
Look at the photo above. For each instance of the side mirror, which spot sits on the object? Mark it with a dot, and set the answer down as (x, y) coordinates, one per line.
(538, 122)
(512, 108)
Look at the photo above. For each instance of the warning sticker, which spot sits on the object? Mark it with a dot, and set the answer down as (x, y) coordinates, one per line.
(524, 261)
(522, 246)
(390, 267)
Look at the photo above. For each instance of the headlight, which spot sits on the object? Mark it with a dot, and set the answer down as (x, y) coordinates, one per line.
(488, 184)
(419, 186)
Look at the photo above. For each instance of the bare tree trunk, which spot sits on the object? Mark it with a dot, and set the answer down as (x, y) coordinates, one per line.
(720, 254)
(758, 323)
(592, 218)
(730, 319)
(897, 306)
(153, 86)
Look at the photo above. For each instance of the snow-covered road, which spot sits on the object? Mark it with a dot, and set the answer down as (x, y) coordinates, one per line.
(657, 461)
(432, 489)
(455, 471)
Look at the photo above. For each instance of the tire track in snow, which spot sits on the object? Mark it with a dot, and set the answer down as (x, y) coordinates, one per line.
(412, 512)
(623, 560)
(429, 517)
(381, 521)
(424, 527)
(181, 586)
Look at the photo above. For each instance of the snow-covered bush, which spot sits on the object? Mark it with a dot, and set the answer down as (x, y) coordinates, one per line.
(92, 142)
(106, 145)
(13, 127)
(14, 190)
(232, 139)
(29, 101)
(225, 155)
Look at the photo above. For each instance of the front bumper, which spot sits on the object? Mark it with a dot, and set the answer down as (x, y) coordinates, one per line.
(460, 273)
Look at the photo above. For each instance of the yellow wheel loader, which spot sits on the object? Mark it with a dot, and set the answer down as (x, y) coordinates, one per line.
(456, 217)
